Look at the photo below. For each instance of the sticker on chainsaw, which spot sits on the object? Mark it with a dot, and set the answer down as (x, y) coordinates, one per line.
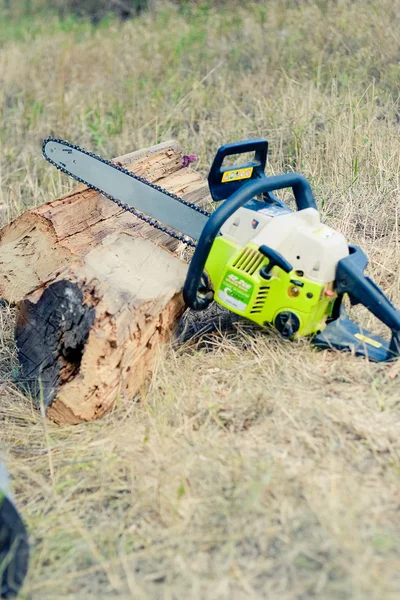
(245, 173)
(367, 340)
(235, 291)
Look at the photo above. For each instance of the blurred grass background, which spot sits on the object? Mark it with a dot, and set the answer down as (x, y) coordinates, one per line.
(261, 469)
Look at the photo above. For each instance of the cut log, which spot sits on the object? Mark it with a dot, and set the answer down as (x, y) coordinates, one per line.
(98, 291)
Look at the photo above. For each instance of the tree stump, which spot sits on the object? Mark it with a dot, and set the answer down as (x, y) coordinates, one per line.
(97, 290)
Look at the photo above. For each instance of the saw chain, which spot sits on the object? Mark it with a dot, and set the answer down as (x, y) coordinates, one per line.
(154, 223)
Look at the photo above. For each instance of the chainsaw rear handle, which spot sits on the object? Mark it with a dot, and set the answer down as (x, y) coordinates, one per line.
(304, 199)
(361, 289)
(220, 188)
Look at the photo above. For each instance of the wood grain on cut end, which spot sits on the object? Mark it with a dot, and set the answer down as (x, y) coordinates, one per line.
(29, 254)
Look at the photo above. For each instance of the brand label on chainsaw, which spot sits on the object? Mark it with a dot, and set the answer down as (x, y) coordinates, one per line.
(235, 291)
(236, 174)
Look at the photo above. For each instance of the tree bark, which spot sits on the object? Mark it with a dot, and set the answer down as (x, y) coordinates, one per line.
(98, 291)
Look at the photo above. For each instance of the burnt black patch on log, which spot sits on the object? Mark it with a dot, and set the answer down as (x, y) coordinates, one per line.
(50, 337)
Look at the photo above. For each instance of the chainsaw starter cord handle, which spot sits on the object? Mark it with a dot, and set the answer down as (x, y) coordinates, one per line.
(304, 199)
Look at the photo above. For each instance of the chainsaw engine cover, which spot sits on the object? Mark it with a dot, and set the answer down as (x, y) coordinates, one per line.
(297, 301)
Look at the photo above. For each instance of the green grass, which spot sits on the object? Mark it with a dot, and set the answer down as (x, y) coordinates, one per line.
(261, 469)
(26, 29)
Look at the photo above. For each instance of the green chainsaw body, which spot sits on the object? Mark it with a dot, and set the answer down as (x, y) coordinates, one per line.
(261, 259)
(235, 277)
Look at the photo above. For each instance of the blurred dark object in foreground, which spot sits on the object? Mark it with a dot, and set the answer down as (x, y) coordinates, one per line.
(14, 548)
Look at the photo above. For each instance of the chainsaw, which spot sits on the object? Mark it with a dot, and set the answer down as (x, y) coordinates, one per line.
(254, 255)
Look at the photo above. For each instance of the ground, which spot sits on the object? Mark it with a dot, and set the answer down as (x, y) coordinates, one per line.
(249, 467)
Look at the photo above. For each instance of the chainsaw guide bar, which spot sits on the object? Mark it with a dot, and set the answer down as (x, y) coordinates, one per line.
(161, 207)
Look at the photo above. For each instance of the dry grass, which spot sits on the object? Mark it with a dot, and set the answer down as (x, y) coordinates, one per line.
(251, 468)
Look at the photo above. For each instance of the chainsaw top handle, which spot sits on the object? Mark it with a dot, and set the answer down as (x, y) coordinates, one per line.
(224, 181)
(304, 199)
